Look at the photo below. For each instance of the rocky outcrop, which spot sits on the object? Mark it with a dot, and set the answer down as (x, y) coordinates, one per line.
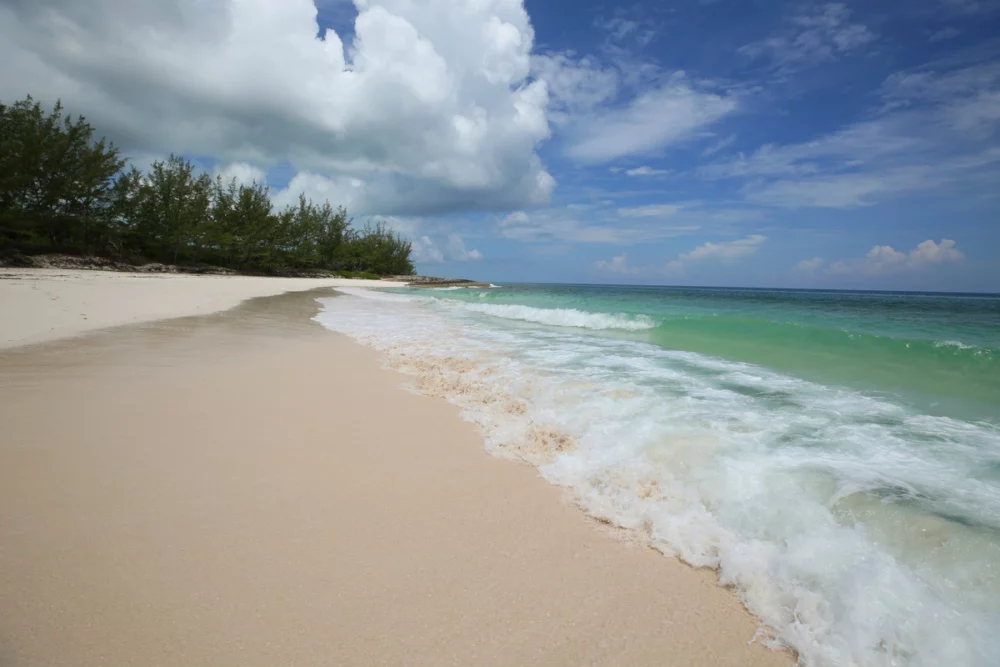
(432, 282)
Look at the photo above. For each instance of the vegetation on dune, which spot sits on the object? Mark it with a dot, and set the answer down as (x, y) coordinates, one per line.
(62, 190)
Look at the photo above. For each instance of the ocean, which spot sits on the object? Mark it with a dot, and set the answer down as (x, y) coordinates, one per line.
(834, 456)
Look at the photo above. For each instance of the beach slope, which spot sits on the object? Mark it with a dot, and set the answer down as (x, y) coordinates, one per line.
(249, 488)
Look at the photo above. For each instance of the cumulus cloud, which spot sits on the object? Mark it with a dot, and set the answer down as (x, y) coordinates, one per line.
(726, 252)
(426, 251)
(345, 191)
(810, 266)
(242, 172)
(457, 251)
(617, 264)
(884, 259)
(432, 98)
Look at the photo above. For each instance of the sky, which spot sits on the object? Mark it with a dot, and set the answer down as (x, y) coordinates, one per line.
(695, 142)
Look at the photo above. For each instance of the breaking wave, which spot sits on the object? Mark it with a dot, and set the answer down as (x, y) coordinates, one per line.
(859, 531)
(564, 317)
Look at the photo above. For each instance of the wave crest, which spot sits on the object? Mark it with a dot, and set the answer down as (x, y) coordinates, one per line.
(564, 317)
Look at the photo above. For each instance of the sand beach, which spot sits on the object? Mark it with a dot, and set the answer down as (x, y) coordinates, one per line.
(192, 472)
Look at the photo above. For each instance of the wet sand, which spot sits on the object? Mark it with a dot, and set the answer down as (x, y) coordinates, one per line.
(247, 488)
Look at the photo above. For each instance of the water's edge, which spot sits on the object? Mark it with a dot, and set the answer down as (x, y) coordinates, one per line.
(829, 578)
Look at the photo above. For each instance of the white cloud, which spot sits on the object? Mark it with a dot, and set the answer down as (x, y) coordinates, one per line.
(725, 252)
(457, 252)
(719, 145)
(584, 224)
(651, 211)
(617, 264)
(516, 218)
(343, 191)
(810, 266)
(650, 122)
(604, 223)
(621, 30)
(867, 140)
(563, 225)
(618, 28)
(943, 87)
(884, 259)
(244, 173)
(932, 131)
(646, 171)
(848, 190)
(431, 99)
(425, 252)
(575, 85)
(822, 35)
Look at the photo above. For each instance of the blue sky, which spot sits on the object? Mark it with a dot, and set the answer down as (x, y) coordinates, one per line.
(699, 142)
(805, 158)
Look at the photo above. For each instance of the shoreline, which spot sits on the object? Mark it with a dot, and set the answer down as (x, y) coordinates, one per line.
(269, 513)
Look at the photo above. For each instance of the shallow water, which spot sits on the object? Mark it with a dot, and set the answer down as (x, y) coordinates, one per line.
(836, 456)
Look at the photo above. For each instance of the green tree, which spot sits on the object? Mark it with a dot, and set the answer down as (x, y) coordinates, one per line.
(246, 231)
(55, 181)
(60, 189)
(121, 236)
(172, 208)
(378, 250)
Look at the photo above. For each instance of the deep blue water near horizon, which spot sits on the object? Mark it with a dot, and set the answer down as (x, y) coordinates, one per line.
(834, 454)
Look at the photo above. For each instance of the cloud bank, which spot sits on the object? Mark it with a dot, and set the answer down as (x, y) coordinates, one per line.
(885, 260)
(428, 108)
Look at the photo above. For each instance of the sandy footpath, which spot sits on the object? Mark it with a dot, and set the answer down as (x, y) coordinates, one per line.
(247, 488)
(37, 305)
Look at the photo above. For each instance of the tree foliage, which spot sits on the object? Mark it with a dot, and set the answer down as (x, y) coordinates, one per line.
(62, 190)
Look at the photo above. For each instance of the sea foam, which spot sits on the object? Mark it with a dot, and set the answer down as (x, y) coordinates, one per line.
(843, 521)
(563, 317)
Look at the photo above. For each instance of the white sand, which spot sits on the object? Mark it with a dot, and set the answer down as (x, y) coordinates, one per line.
(250, 489)
(38, 305)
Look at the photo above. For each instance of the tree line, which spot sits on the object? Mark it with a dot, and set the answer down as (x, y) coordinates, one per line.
(62, 190)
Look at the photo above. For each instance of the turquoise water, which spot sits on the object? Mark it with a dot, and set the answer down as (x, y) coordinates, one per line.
(834, 455)
(941, 352)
